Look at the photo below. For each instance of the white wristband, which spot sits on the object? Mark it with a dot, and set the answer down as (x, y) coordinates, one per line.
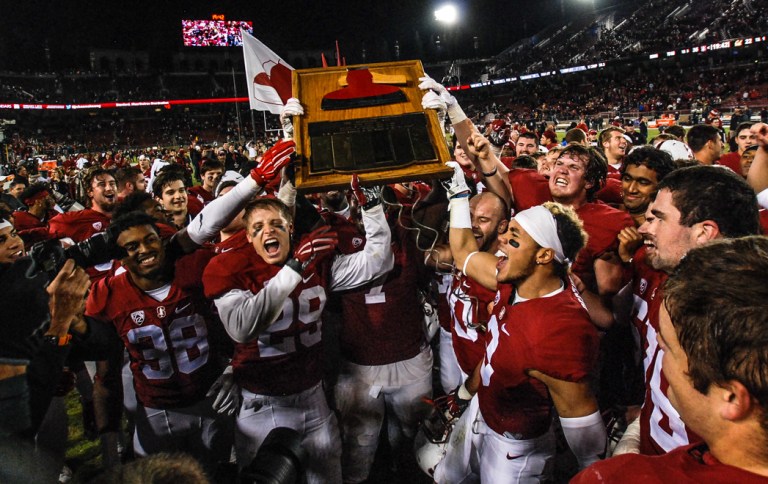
(455, 113)
(460, 217)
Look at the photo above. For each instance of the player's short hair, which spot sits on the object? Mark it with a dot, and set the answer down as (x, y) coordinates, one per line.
(742, 126)
(570, 231)
(268, 204)
(32, 191)
(165, 177)
(529, 135)
(714, 193)
(132, 203)
(576, 135)
(699, 135)
(125, 175)
(524, 161)
(676, 130)
(18, 180)
(716, 299)
(210, 164)
(605, 134)
(130, 220)
(596, 168)
(654, 159)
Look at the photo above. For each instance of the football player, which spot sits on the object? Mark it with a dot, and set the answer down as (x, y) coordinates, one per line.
(540, 351)
(159, 311)
(693, 206)
(713, 326)
(270, 295)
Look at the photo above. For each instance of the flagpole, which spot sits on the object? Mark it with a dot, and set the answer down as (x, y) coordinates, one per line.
(253, 126)
(237, 109)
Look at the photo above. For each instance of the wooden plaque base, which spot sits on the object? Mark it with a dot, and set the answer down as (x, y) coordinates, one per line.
(382, 143)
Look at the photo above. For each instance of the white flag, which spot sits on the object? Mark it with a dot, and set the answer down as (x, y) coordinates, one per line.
(268, 76)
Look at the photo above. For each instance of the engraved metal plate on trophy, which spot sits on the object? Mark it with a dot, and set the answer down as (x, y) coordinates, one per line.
(365, 119)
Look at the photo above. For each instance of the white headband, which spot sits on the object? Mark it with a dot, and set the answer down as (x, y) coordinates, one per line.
(4, 223)
(540, 224)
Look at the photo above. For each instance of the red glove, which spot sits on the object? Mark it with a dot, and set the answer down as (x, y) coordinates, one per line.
(315, 247)
(273, 160)
(452, 405)
(368, 197)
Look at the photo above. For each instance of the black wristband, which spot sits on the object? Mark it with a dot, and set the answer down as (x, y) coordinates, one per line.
(371, 203)
(493, 172)
(295, 265)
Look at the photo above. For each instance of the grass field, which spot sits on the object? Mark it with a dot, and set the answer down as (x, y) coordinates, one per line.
(83, 455)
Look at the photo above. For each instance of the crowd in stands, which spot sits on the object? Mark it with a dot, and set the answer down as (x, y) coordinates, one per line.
(630, 30)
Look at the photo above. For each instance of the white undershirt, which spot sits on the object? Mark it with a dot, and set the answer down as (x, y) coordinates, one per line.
(518, 298)
(160, 293)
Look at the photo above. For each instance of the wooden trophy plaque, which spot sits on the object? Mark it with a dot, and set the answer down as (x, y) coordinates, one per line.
(365, 119)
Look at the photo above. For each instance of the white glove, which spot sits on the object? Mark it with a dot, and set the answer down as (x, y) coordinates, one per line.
(227, 393)
(455, 113)
(630, 441)
(427, 83)
(458, 183)
(292, 108)
(431, 100)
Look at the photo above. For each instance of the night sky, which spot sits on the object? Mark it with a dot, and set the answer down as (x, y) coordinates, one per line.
(70, 28)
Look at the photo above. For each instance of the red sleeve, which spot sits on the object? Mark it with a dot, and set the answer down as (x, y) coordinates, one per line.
(529, 188)
(568, 351)
(732, 161)
(611, 192)
(230, 270)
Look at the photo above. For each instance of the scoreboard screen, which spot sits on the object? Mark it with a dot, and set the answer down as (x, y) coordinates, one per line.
(214, 33)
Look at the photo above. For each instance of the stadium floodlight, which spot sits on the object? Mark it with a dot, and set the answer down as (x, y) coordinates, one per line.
(447, 14)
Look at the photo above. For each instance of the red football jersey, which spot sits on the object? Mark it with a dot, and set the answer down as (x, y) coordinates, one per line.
(287, 357)
(689, 464)
(173, 360)
(553, 335)
(661, 428)
(603, 224)
(469, 309)
(611, 191)
(79, 225)
(731, 160)
(235, 241)
(203, 195)
(30, 228)
(383, 322)
(529, 188)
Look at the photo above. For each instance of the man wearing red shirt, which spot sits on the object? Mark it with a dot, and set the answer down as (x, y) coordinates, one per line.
(693, 206)
(32, 225)
(744, 139)
(713, 327)
(102, 198)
